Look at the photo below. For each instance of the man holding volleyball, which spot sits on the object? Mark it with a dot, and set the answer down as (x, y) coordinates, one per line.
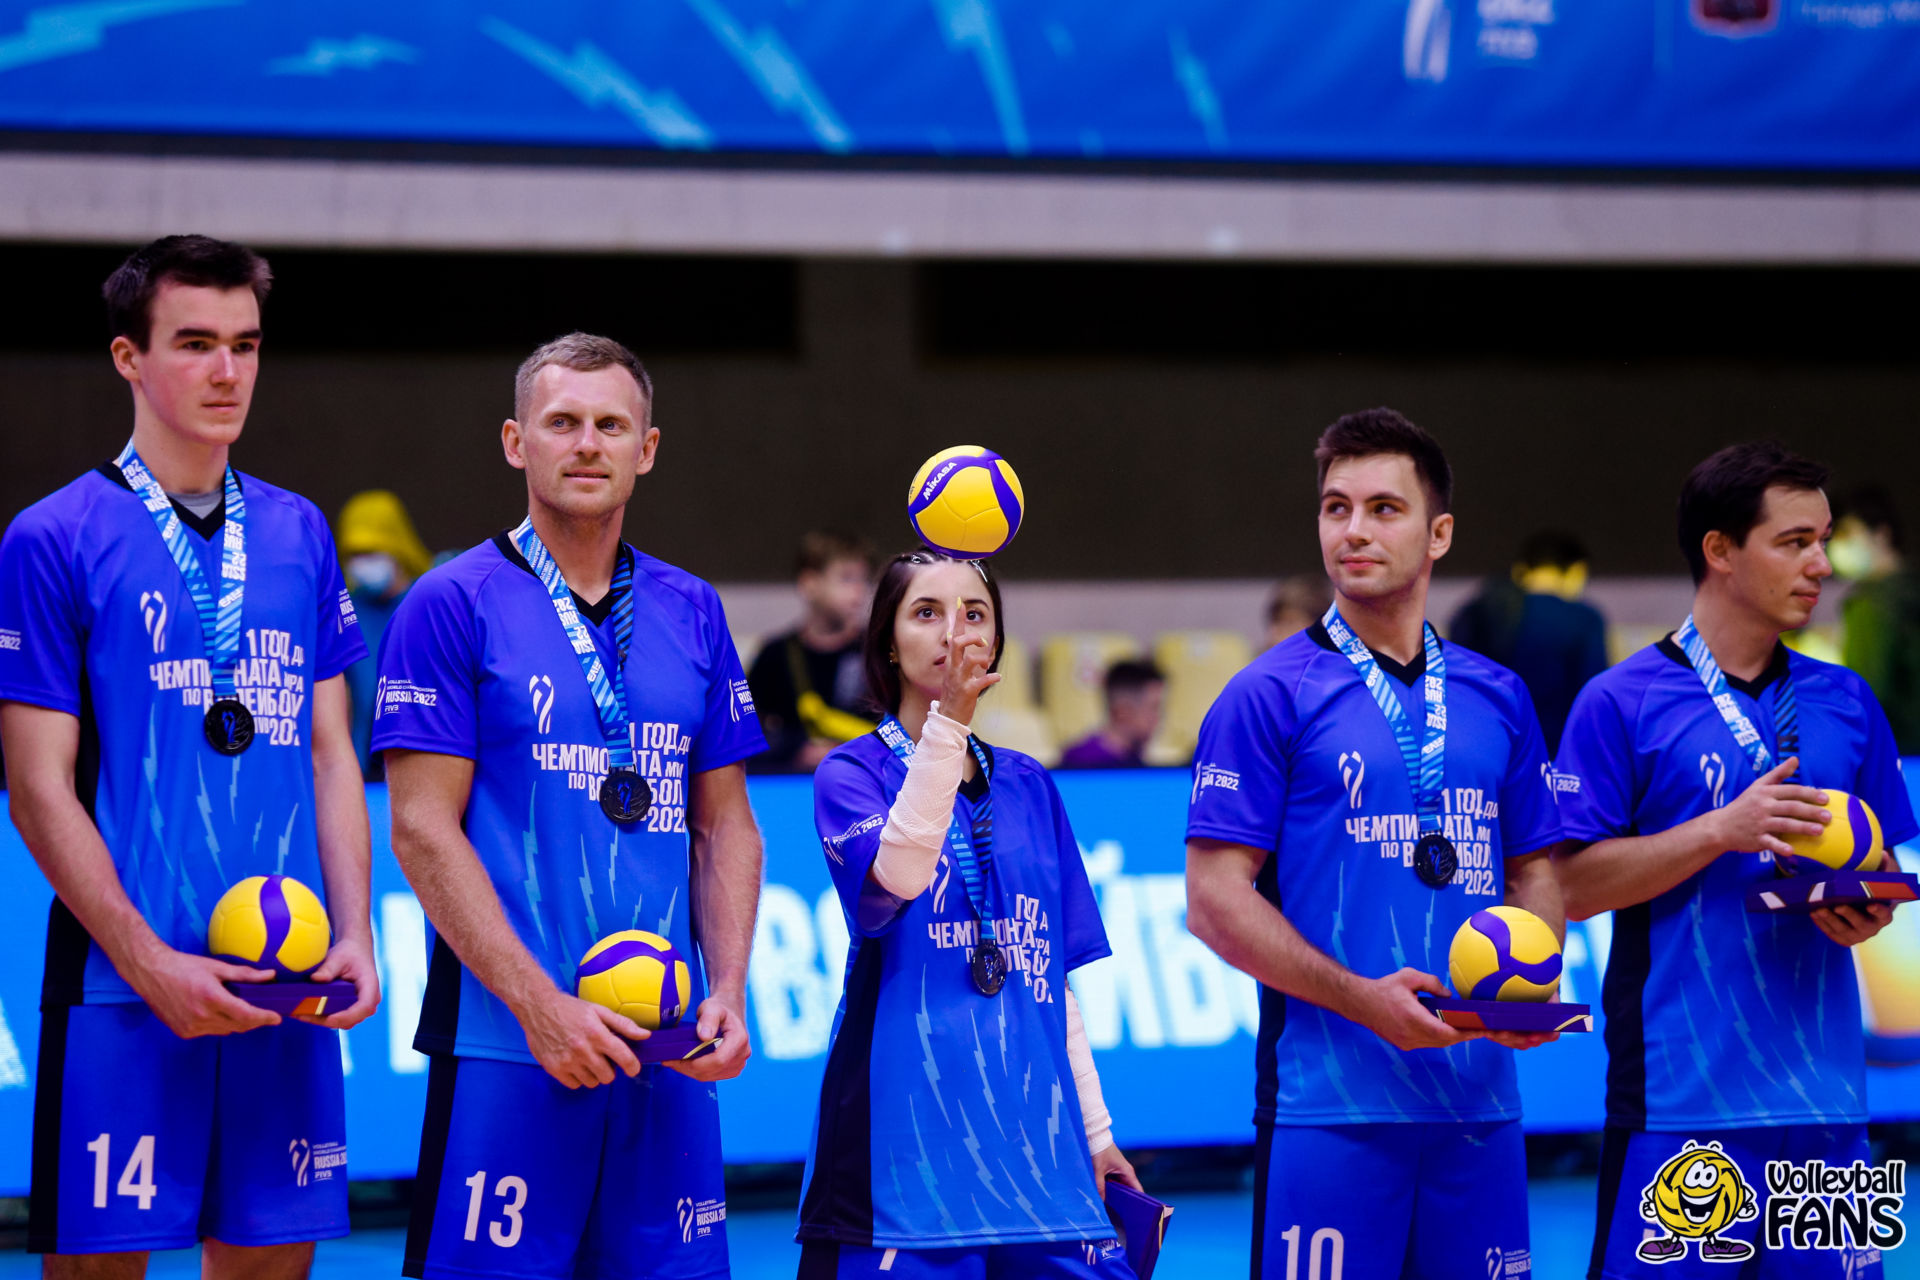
(172, 641)
(564, 720)
(1359, 791)
(1684, 772)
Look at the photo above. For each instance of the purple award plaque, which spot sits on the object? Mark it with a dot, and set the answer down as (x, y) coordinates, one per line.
(309, 999)
(1509, 1015)
(1798, 895)
(674, 1044)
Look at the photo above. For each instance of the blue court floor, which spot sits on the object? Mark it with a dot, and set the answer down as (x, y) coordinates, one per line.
(1206, 1241)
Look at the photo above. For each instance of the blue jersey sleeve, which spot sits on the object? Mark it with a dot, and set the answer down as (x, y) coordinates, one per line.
(850, 806)
(731, 731)
(1529, 819)
(42, 646)
(1082, 930)
(1597, 795)
(337, 636)
(426, 695)
(1879, 782)
(1239, 767)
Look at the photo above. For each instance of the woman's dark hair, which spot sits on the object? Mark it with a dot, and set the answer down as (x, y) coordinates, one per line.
(883, 674)
(1727, 492)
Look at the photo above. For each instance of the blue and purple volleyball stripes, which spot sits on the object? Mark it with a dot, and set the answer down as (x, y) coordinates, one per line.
(1542, 973)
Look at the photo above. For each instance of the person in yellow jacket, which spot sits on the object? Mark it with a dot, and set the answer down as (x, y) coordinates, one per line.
(382, 555)
(808, 686)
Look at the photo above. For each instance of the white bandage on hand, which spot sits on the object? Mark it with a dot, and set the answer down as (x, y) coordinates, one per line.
(1086, 1081)
(916, 827)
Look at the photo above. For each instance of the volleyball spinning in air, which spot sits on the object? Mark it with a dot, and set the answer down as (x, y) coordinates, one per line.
(1504, 953)
(966, 501)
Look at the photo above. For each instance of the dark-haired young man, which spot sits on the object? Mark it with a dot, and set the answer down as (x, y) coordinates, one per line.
(1358, 792)
(807, 683)
(1136, 693)
(564, 719)
(1684, 769)
(172, 641)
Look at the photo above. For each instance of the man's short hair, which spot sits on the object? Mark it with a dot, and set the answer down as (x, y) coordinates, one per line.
(199, 261)
(1383, 430)
(1552, 549)
(821, 548)
(584, 352)
(1727, 492)
(1132, 675)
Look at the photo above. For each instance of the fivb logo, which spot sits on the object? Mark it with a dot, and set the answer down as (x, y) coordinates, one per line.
(153, 616)
(684, 1208)
(1714, 770)
(1424, 43)
(540, 689)
(1353, 771)
(301, 1154)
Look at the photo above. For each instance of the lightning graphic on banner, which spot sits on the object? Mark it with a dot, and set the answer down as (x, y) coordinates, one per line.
(62, 30)
(596, 79)
(767, 60)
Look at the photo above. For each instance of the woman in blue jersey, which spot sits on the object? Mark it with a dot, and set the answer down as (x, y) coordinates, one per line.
(961, 1132)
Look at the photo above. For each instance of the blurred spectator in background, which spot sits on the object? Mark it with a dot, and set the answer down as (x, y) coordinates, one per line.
(382, 556)
(1534, 623)
(1881, 614)
(808, 685)
(1294, 605)
(1136, 692)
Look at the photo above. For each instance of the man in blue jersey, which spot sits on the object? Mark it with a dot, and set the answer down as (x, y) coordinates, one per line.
(172, 641)
(1684, 771)
(1358, 792)
(564, 720)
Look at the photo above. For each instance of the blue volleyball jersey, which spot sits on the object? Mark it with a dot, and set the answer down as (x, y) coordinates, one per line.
(1296, 758)
(948, 1118)
(475, 664)
(96, 621)
(1717, 1018)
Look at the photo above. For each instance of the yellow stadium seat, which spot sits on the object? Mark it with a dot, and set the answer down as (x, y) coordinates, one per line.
(1022, 728)
(1625, 641)
(1073, 666)
(1198, 665)
(1015, 690)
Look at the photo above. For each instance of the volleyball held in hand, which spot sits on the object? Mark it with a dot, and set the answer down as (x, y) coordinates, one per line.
(1851, 842)
(966, 501)
(270, 922)
(637, 974)
(1504, 953)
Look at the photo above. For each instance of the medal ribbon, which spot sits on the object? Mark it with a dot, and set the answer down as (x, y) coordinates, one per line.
(1786, 707)
(609, 694)
(219, 619)
(972, 851)
(1426, 760)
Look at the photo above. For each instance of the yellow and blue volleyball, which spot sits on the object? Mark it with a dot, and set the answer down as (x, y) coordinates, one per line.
(1851, 842)
(270, 922)
(638, 974)
(966, 501)
(1504, 953)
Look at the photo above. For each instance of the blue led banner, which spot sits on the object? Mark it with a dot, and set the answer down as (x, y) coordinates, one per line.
(1791, 84)
(1162, 1009)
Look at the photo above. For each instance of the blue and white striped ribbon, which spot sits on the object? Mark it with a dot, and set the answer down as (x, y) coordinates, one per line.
(1426, 760)
(1786, 706)
(609, 692)
(972, 851)
(219, 619)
